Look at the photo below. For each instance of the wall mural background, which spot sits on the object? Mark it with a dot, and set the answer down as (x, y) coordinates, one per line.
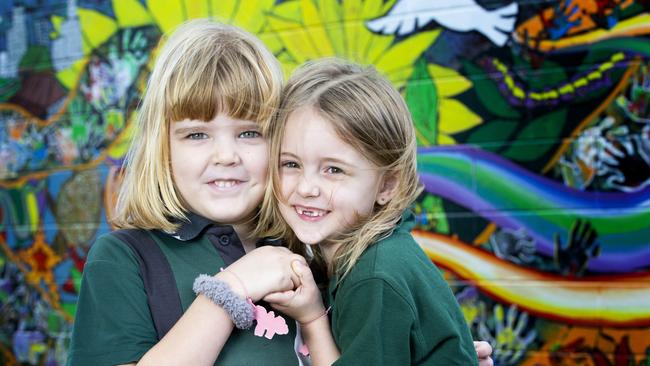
(533, 119)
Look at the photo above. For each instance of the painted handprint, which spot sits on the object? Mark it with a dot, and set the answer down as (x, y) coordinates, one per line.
(563, 20)
(109, 79)
(508, 335)
(609, 156)
(513, 245)
(572, 258)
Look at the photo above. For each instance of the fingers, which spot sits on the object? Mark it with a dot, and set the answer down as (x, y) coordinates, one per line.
(295, 278)
(304, 274)
(281, 297)
(298, 265)
(485, 362)
(302, 270)
(483, 351)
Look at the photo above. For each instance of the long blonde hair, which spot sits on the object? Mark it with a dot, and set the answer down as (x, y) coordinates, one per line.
(204, 68)
(368, 114)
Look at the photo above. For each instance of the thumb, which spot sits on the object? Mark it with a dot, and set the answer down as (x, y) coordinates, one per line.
(302, 271)
(281, 297)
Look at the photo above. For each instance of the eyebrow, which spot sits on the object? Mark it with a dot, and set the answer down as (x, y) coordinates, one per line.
(291, 155)
(187, 130)
(199, 126)
(327, 159)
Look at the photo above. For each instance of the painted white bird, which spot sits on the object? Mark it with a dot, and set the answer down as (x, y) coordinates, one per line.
(406, 16)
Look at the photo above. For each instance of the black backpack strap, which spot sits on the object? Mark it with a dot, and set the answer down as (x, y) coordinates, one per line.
(159, 283)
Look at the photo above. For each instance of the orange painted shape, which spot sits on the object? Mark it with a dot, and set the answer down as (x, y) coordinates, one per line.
(620, 300)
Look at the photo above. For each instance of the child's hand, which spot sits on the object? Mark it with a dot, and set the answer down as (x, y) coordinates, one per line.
(483, 351)
(303, 303)
(262, 271)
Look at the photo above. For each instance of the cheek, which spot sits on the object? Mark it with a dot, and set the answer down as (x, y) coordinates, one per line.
(178, 171)
(257, 161)
(178, 159)
(359, 198)
(263, 173)
(287, 185)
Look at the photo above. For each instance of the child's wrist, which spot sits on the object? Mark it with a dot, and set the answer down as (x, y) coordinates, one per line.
(240, 309)
(233, 280)
(315, 318)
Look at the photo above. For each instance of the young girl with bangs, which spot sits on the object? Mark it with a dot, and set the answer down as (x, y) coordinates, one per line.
(195, 176)
(344, 175)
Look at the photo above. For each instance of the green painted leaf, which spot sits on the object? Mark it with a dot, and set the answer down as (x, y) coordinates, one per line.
(636, 45)
(547, 127)
(494, 134)
(489, 94)
(422, 101)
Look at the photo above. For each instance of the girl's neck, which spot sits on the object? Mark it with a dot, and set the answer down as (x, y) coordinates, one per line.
(328, 250)
(243, 232)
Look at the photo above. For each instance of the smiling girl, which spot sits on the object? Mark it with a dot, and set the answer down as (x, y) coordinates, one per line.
(195, 176)
(343, 167)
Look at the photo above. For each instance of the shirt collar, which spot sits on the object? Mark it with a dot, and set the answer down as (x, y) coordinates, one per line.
(406, 223)
(195, 225)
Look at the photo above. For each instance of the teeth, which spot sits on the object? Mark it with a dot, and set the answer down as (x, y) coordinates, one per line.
(310, 213)
(225, 183)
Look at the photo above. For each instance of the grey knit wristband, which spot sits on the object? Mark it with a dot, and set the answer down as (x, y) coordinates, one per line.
(240, 311)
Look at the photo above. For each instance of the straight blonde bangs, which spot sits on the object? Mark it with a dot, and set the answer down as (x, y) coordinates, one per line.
(231, 75)
(203, 69)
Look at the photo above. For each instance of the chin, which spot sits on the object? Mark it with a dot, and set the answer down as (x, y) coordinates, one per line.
(309, 239)
(227, 218)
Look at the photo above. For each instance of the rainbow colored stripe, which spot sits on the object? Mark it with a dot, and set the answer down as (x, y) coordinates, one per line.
(513, 197)
(618, 300)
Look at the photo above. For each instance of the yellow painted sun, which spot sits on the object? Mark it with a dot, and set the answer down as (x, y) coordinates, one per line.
(453, 116)
(97, 28)
(296, 31)
(302, 30)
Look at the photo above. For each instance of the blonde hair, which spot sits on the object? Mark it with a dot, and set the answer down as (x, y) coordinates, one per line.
(368, 114)
(204, 68)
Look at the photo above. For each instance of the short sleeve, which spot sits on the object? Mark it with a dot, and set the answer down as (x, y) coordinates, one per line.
(113, 324)
(372, 325)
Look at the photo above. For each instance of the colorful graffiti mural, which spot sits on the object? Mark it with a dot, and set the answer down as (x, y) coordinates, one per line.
(533, 120)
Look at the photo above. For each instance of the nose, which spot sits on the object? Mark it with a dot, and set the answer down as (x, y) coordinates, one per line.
(225, 153)
(308, 187)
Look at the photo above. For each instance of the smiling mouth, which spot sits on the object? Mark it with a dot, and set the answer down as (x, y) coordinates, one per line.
(310, 213)
(225, 184)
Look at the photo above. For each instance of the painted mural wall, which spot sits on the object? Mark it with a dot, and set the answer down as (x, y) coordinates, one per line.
(533, 121)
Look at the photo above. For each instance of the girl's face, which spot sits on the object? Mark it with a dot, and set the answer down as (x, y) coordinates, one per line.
(219, 167)
(326, 185)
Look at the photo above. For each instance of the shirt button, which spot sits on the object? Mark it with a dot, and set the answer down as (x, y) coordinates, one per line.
(224, 240)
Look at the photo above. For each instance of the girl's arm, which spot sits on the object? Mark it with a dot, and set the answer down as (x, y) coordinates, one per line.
(198, 336)
(317, 335)
(305, 305)
(196, 339)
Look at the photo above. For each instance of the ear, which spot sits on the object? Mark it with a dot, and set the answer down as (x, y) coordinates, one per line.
(388, 188)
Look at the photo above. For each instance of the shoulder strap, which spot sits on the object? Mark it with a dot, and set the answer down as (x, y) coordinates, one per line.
(159, 283)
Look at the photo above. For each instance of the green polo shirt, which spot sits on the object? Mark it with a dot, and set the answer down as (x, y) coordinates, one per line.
(113, 324)
(394, 308)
